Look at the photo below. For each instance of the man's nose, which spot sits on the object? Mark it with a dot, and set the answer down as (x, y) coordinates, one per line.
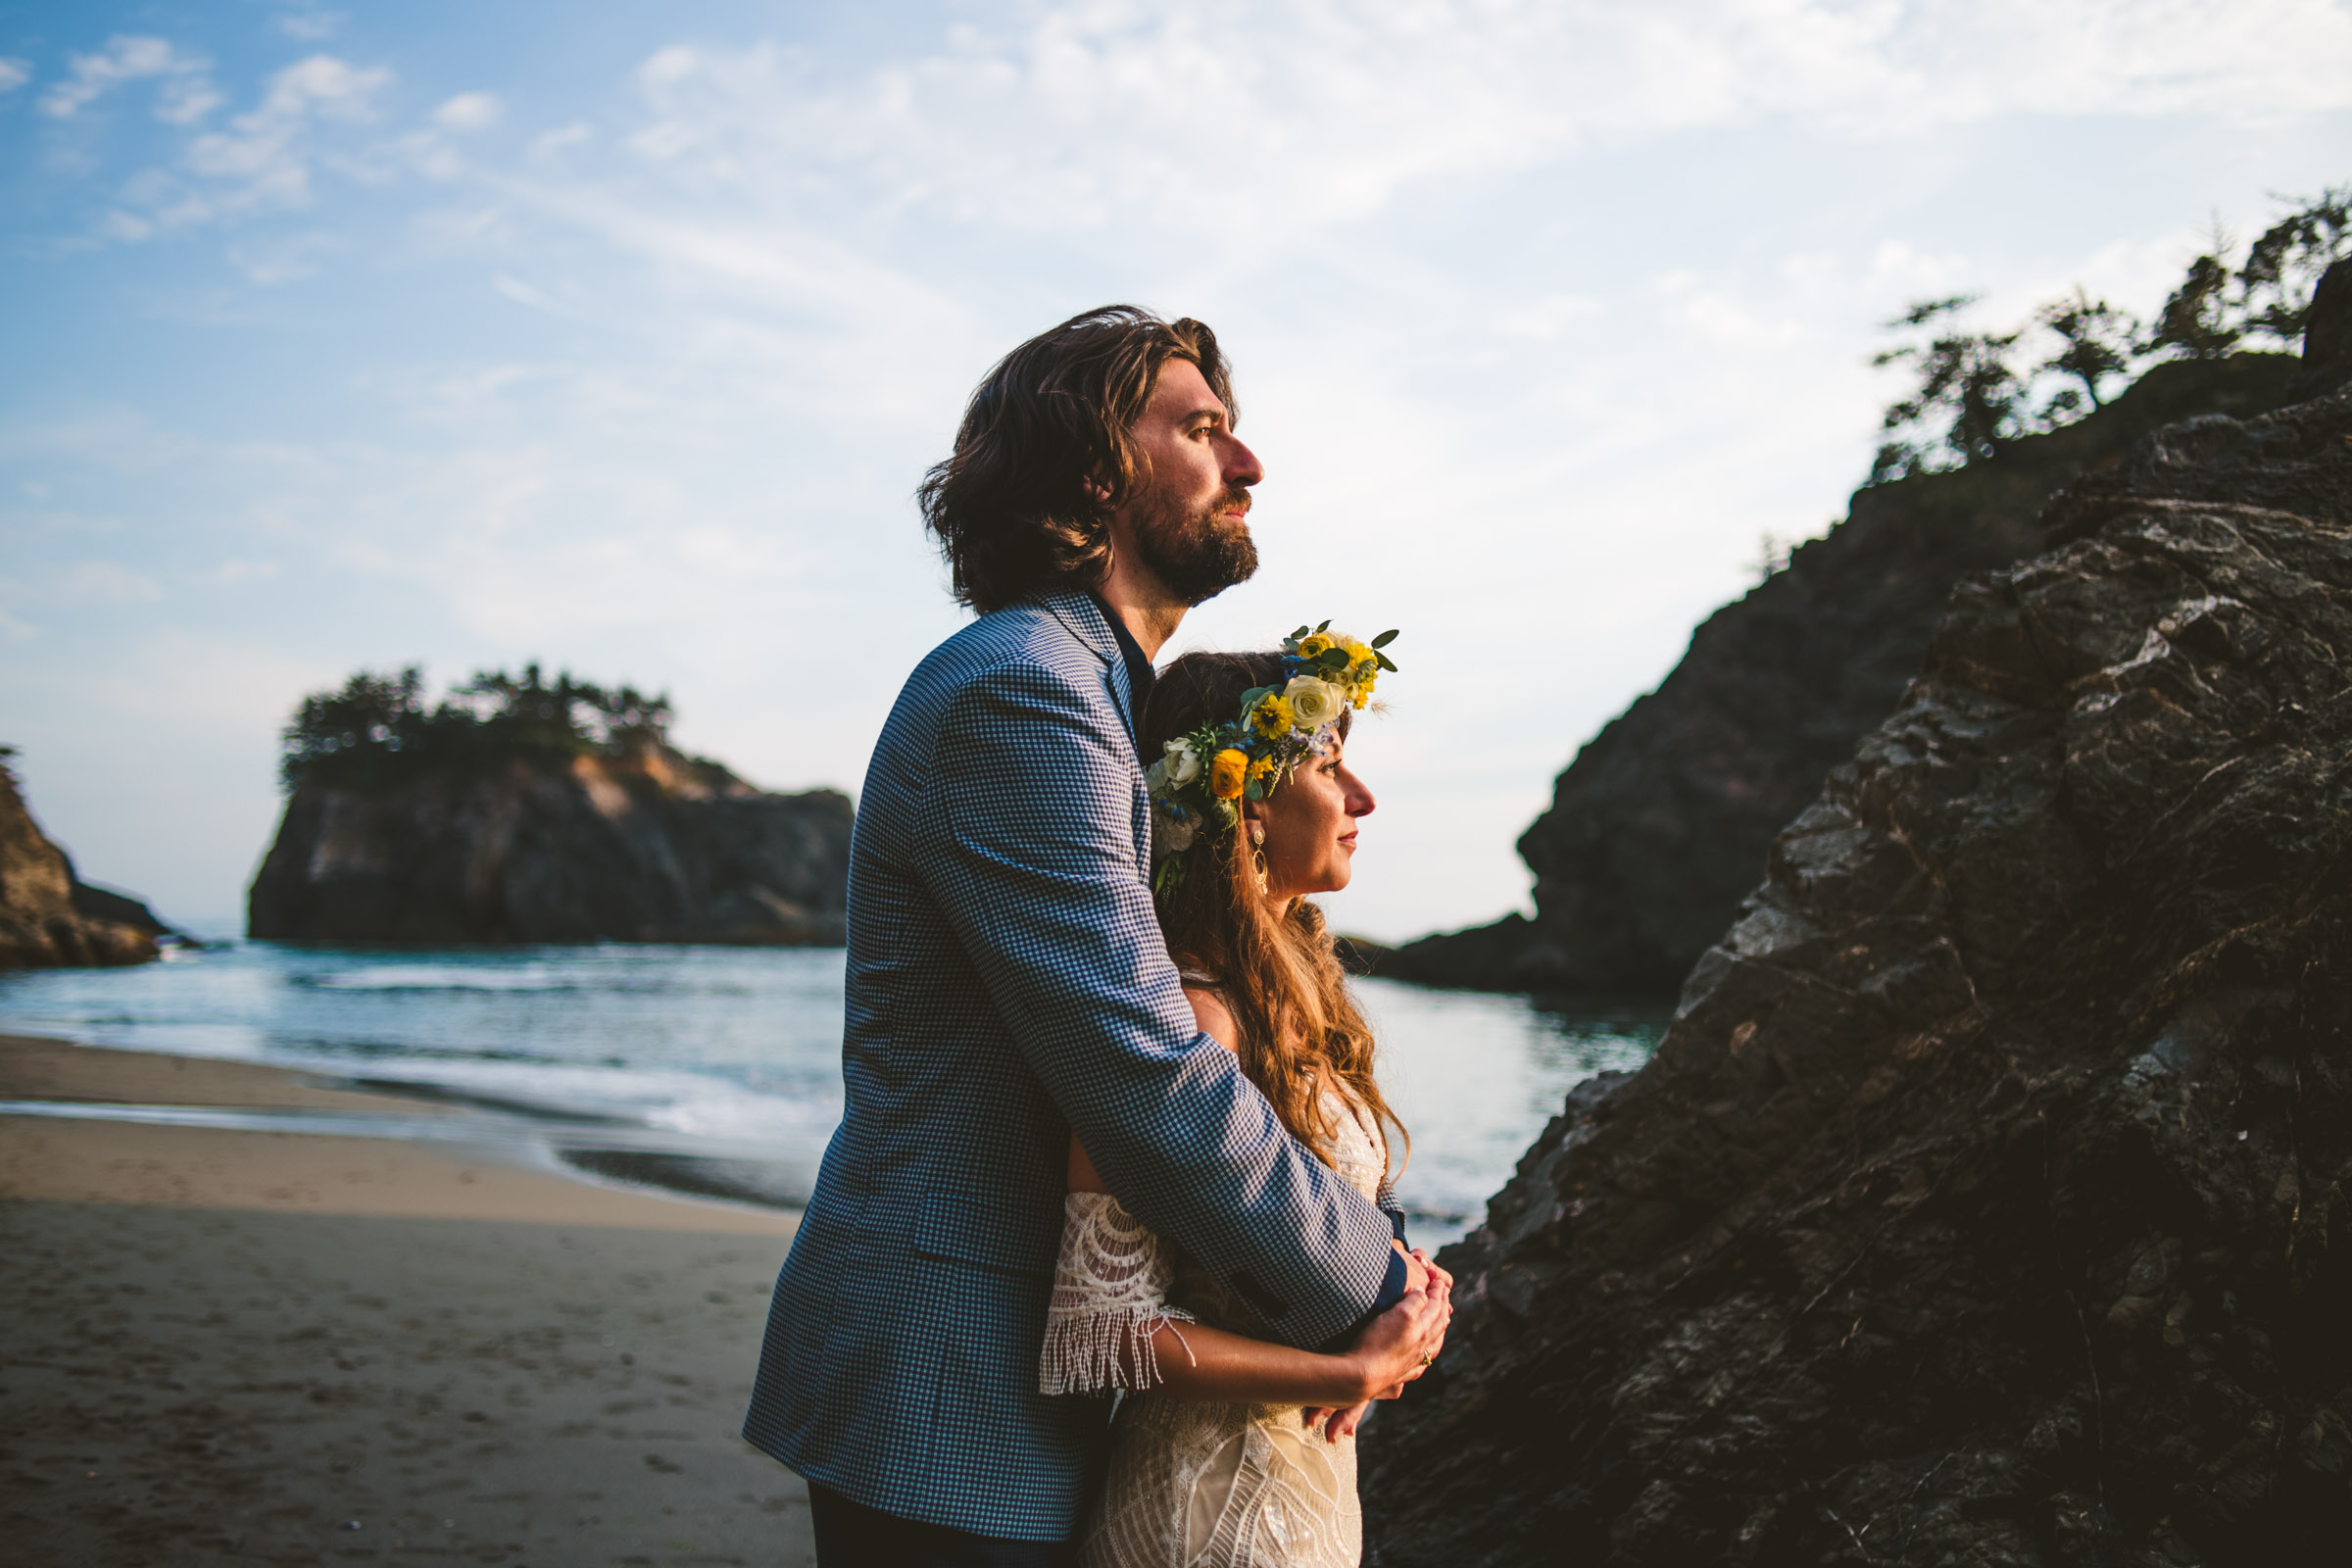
(1241, 465)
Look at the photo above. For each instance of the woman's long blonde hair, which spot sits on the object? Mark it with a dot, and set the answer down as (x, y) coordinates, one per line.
(1277, 971)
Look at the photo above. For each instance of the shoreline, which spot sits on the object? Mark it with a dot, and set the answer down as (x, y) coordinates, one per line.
(145, 1127)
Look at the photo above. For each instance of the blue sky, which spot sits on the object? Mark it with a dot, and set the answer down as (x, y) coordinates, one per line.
(619, 336)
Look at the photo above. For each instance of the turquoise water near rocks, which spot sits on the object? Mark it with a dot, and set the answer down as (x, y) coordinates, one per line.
(718, 1069)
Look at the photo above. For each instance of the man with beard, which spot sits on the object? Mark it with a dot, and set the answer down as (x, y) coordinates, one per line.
(1008, 985)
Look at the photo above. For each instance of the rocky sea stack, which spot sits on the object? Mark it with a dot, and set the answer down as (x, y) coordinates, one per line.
(1989, 1198)
(51, 918)
(522, 812)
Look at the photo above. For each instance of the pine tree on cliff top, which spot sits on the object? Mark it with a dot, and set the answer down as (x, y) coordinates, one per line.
(1971, 396)
(376, 728)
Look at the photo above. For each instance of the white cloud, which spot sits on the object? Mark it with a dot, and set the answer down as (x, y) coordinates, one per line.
(549, 143)
(469, 111)
(186, 95)
(13, 73)
(522, 293)
(263, 158)
(105, 582)
(285, 259)
(311, 27)
(1256, 122)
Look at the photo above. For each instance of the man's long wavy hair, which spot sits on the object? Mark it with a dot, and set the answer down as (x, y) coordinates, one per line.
(1010, 507)
(1276, 969)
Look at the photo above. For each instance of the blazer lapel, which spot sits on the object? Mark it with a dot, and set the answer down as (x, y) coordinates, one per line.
(1083, 618)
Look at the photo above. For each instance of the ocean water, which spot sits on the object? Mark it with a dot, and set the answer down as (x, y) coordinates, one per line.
(718, 1069)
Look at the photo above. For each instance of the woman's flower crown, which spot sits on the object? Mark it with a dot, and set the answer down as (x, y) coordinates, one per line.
(1204, 775)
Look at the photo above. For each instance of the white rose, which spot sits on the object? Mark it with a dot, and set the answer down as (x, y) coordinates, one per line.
(1313, 703)
(1181, 765)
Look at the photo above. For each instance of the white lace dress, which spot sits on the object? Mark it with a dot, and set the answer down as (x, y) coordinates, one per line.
(1193, 1484)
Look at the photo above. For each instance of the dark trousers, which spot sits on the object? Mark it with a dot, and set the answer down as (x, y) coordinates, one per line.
(849, 1534)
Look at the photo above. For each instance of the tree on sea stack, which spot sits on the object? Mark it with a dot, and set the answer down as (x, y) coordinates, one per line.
(2094, 345)
(377, 728)
(1969, 394)
(524, 809)
(1973, 395)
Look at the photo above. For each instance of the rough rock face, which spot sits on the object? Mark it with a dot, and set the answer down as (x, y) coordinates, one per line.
(48, 916)
(1660, 826)
(652, 848)
(1989, 1198)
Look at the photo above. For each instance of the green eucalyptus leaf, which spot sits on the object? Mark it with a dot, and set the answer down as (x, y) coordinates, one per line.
(1384, 661)
(1326, 626)
(1384, 639)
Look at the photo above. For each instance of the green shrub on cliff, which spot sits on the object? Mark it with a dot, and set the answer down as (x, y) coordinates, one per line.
(377, 728)
(1977, 390)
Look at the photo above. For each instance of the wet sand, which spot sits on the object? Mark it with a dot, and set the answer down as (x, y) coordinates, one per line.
(251, 1347)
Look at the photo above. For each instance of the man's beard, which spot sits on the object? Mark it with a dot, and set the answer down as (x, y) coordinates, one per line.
(1198, 556)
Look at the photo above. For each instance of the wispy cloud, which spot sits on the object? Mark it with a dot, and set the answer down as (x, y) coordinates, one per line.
(470, 111)
(285, 258)
(105, 582)
(1080, 117)
(262, 158)
(522, 293)
(309, 25)
(188, 94)
(13, 73)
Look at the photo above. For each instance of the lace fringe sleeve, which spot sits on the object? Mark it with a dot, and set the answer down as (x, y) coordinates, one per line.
(1110, 1296)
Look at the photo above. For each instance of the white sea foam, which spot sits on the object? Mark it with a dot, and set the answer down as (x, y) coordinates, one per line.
(734, 1053)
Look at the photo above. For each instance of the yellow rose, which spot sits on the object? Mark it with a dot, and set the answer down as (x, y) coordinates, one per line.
(1227, 771)
(1313, 703)
(1314, 645)
(1271, 717)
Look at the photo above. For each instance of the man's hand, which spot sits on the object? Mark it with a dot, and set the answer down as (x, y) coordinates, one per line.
(1336, 1423)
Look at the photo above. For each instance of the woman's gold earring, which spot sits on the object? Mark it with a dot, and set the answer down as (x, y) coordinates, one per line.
(1258, 854)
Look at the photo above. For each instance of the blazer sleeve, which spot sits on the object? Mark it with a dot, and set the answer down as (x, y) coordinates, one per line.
(1030, 823)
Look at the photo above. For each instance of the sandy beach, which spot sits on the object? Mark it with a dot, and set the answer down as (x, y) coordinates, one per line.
(228, 1345)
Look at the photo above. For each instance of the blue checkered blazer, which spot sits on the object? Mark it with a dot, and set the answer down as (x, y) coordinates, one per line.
(1007, 984)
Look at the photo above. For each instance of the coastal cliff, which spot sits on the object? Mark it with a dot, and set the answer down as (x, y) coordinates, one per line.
(1660, 824)
(51, 918)
(1990, 1196)
(649, 846)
